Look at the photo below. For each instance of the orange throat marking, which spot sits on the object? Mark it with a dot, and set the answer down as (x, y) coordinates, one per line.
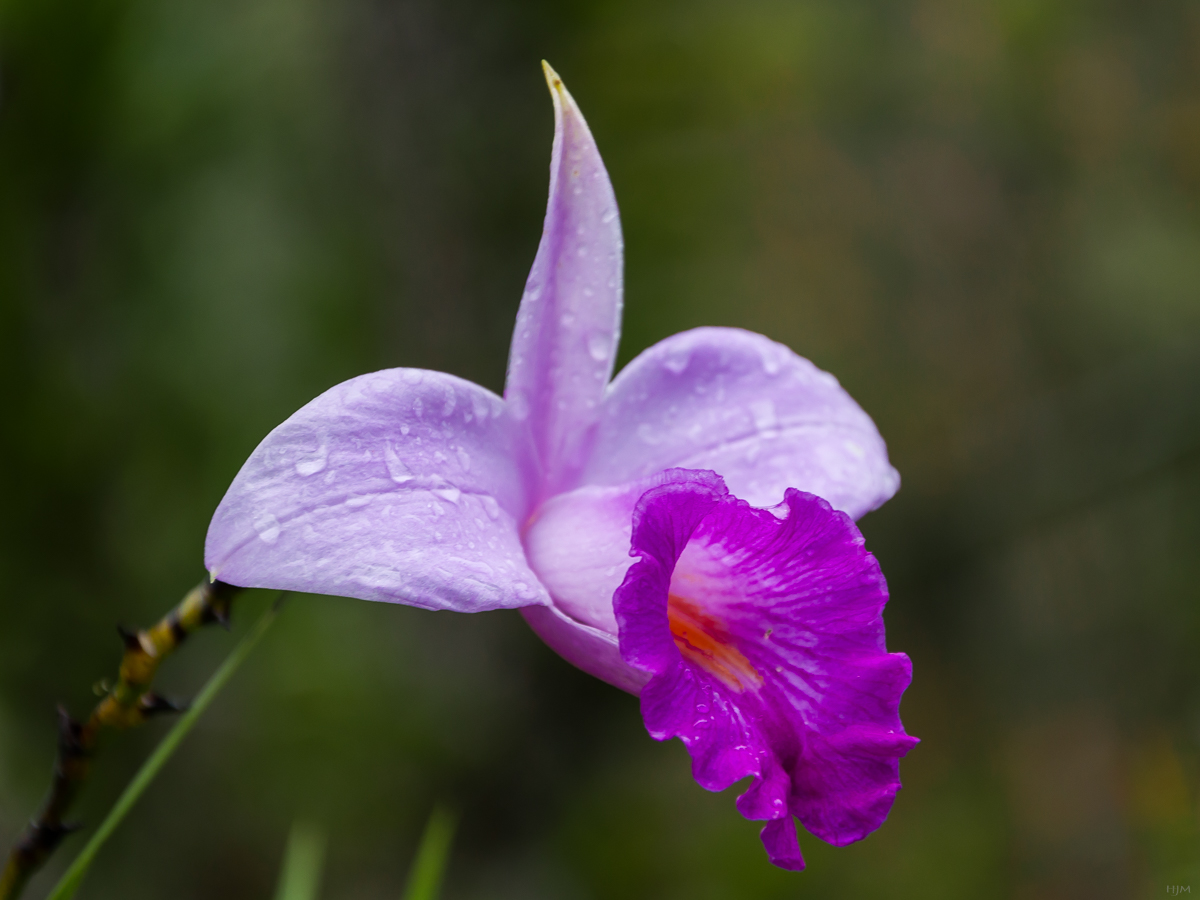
(703, 640)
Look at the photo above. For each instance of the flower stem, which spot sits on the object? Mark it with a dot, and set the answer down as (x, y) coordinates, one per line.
(425, 879)
(73, 877)
(127, 703)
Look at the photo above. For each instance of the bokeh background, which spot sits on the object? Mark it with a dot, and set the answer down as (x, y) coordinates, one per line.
(982, 215)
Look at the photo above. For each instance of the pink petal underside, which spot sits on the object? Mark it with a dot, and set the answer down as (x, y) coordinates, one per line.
(569, 321)
(768, 660)
(587, 648)
(577, 544)
(402, 485)
(746, 407)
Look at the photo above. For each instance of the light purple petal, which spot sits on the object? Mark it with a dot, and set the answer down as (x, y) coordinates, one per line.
(402, 485)
(765, 640)
(742, 405)
(577, 544)
(569, 322)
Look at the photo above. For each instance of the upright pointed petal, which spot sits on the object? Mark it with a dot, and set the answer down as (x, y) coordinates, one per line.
(746, 407)
(402, 485)
(570, 317)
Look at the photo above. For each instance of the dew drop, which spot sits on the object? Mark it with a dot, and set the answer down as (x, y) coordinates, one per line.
(312, 463)
(677, 362)
(479, 407)
(449, 494)
(396, 467)
(518, 405)
(490, 506)
(464, 459)
(597, 345)
(770, 361)
(608, 216)
(763, 412)
(268, 528)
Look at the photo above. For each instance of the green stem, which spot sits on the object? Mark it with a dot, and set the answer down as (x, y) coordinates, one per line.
(73, 877)
(430, 864)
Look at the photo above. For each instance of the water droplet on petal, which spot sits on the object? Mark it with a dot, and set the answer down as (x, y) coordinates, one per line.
(518, 405)
(395, 465)
(598, 344)
(268, 528)
(608, 216)
(491, 507)
(764, 414)
(479, 407)
(464, 459)
(312, 463)
(770, 360)
(449, 494)
(677, 362)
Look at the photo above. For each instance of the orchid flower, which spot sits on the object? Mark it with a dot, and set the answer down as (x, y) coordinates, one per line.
(683, 531)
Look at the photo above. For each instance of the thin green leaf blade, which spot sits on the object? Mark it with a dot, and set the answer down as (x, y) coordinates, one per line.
(430, 864)
(69, 883)
(300, 877)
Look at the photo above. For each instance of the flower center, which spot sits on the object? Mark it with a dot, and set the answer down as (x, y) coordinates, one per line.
(704, 641)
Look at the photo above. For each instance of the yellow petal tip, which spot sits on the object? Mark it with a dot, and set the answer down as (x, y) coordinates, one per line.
(552, 78)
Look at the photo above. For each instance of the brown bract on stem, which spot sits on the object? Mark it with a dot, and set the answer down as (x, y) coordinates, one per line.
(127, 703)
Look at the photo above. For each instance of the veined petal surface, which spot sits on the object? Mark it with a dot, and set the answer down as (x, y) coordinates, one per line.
(742, 405)
(765, 642)
(402, 485)
(569, 321)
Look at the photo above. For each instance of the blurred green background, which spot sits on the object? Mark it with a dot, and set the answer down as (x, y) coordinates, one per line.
(982, 215)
